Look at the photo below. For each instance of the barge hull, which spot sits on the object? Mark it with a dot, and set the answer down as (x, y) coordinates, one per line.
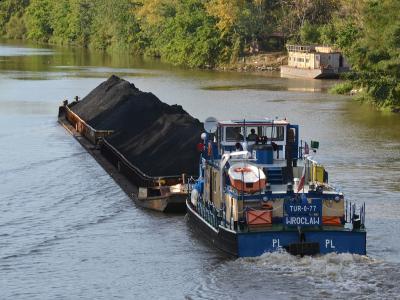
(168, 204)
(338, 241)
(291, 72)
(225, 240)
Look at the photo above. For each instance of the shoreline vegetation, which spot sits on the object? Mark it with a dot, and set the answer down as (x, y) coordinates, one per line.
(242, 35)
(261, 62)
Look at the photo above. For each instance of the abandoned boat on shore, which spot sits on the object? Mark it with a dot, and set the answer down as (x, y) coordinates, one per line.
(260, 190)
(314, 62)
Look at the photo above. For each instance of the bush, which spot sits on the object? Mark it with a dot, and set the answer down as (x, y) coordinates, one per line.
(342, 88)
(309, 34)
(15, 28)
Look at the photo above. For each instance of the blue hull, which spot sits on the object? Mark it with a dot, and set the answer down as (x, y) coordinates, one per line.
(257, 243)
(250, 244)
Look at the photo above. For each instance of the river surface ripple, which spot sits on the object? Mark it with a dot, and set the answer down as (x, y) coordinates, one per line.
(67, 231)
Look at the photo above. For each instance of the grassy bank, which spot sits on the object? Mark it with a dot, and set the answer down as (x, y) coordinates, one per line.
(263, 62)
(364, 96)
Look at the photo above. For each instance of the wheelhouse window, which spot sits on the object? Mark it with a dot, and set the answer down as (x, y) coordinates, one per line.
(234, 134)
(237, 133)
(275, 133)
(253, 132)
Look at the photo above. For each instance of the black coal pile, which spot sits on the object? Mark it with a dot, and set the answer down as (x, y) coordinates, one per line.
(158, 138)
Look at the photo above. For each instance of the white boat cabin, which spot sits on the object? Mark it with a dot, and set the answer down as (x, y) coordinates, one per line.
(270, 142)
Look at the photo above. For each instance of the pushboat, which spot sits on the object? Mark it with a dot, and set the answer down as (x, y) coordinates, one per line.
(260, 190)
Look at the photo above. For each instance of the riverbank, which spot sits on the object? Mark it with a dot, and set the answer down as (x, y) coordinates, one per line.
(360, 94)
(262, 62)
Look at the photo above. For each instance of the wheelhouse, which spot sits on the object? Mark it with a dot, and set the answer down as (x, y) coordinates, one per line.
(256, 135)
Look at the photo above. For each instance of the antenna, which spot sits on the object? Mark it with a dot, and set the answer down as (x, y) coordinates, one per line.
(210, 124)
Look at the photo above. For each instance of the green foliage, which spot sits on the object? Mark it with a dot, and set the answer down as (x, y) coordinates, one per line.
(80, 21)
(195, 33)
(373, 50)
(72, 21)
(188, 37)
(342, 88)
(60, 16)
(9, 9)
(38, 20)
(15, 28)
(114, 26)
(309, 34)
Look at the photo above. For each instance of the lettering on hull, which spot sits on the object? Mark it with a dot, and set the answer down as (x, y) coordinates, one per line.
(302, 221)
(306, 214)
(329, 244)
(276, 244)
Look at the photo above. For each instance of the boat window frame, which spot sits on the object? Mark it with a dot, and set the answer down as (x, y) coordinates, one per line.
(274, 128)
(233, 139)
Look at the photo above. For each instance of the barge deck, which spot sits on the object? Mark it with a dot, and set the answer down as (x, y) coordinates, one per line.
(164, 203)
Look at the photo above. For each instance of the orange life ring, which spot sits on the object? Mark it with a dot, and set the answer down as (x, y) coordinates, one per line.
(242, 170)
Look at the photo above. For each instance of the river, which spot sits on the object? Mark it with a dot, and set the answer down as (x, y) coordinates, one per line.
(67, 231)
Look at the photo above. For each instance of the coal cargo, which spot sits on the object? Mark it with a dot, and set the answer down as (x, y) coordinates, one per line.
(158, 138)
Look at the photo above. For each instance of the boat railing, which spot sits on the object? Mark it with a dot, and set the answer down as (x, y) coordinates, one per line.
(355, 215)
(132, 172)
(92, 134)
(189, 185)
(209, 213)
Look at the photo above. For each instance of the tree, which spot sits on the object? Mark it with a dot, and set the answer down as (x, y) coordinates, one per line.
(38, 20)
(114, 26)
(10, 8)
(371, 42)
(188, 36)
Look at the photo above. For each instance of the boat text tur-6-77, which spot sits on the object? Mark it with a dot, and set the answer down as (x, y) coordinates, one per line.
(261, 190)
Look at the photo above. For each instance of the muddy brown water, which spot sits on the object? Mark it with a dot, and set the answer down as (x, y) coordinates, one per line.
(67, 231)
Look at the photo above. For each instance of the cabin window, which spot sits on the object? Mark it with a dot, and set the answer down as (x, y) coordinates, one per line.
(234, 134)
(275, 133)
(252, 136)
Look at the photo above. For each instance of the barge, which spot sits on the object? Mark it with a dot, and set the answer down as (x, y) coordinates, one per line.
(164, 194)
(261, 190)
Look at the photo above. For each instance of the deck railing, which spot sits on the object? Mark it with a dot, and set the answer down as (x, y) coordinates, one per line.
(132, 172)
(355, 215)
(93, 135)
(124, 166)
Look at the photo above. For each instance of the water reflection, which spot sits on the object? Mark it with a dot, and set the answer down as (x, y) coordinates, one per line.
(275, 83)
(19, 51)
